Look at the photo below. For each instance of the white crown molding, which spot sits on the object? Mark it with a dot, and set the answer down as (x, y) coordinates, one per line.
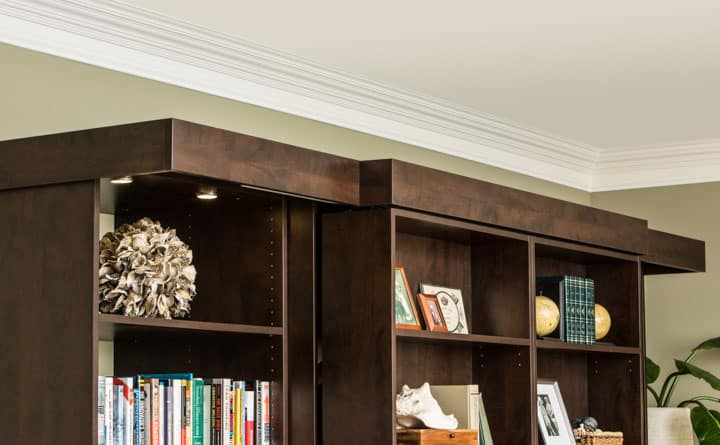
(657, 165)
(121, 37)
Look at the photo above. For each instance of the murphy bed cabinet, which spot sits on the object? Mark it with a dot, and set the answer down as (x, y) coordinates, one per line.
(295, 284)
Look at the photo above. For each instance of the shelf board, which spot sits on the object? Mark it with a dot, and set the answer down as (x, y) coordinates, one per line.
(444, 337)
(563, 346)
(110, 325)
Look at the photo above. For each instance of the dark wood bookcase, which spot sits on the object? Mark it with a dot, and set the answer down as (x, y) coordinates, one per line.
(295, 284)
(496, 270)
(238, 319)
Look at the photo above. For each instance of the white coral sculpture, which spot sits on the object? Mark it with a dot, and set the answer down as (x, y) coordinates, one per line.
(417, 408)
(146, 271)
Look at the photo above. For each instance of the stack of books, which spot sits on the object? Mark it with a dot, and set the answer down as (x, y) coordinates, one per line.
(178, 409)
(575, 296)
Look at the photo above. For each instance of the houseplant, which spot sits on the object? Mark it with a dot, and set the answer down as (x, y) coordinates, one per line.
(705, 421)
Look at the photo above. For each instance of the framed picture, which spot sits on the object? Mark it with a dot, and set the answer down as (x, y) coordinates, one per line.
(451, 304)
(406, 316)
(553, 420)
(430, 308)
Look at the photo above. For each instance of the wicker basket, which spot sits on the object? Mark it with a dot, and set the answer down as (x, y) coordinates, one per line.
(583, 437)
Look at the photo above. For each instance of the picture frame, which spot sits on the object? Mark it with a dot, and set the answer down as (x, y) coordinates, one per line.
(553, 421)
(406, 315)
(451, 303)
(432, 313)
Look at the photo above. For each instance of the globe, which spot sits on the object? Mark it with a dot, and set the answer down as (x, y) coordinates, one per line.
(602, 322)
(547, 315)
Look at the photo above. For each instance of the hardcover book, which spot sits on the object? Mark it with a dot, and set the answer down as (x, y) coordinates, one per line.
(568, 293)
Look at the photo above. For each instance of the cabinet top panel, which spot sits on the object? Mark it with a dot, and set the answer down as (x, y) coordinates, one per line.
(185, 148)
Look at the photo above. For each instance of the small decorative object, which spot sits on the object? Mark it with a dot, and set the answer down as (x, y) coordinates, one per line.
(585, 437)
(435, 437)
(432, 313)
(586, 423)
(552, 418)
(547, 316)
(668, 426)
(602, 322)
(406, 316)
(451, 304)
(146, 271)
(417, 408)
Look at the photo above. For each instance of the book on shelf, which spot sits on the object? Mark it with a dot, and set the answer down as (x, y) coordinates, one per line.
(589, 290)
(466, 403)
(178, 409)
(575, 297)
(249, 408)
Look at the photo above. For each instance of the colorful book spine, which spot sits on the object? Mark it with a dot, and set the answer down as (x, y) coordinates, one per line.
(590, 308)
(102, 430)
(169, 412)
(249, 403)
(117, 416)
(207, 412)
(258, 413)
(161, 414)
(243, 412)
(109, 411)
(575, 320)
(216, 401)
(155, 412)
(141, 401)
(188, 411)
(129, 401)
(231, 414)
(177, 408)
(226, 404)
(265, 413)
(197, 411)
(237, 412)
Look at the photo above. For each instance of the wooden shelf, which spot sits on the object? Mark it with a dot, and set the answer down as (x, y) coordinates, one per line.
(110, 325)
(443, 337)
(563, 346)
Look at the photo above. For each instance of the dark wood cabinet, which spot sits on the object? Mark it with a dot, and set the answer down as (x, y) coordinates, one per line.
(295, 284)
(496, 270)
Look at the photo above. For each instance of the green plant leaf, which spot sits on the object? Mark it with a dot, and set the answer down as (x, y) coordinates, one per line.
(700, 373)
(713, 343)
(652, 371)
(706, 425)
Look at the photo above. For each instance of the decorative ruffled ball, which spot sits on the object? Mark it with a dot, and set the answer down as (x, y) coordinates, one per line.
(146, 271)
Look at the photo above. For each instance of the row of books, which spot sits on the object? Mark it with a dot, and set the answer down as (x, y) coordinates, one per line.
(178, 409)
(575, 296)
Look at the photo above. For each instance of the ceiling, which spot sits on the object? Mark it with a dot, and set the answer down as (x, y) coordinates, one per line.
(595, 95)
(610, 74)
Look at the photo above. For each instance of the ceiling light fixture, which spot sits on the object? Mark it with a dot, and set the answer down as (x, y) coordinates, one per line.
(206, 193)
(121, 180)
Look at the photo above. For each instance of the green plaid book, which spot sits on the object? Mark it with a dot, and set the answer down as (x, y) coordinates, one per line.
(589, 302)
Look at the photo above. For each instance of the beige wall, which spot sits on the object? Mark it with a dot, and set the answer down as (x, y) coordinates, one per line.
(45, 94)
(682, 310)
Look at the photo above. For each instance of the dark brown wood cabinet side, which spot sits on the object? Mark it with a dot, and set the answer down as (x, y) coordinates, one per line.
(357, 328)
(300, 322)
(48, 337)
